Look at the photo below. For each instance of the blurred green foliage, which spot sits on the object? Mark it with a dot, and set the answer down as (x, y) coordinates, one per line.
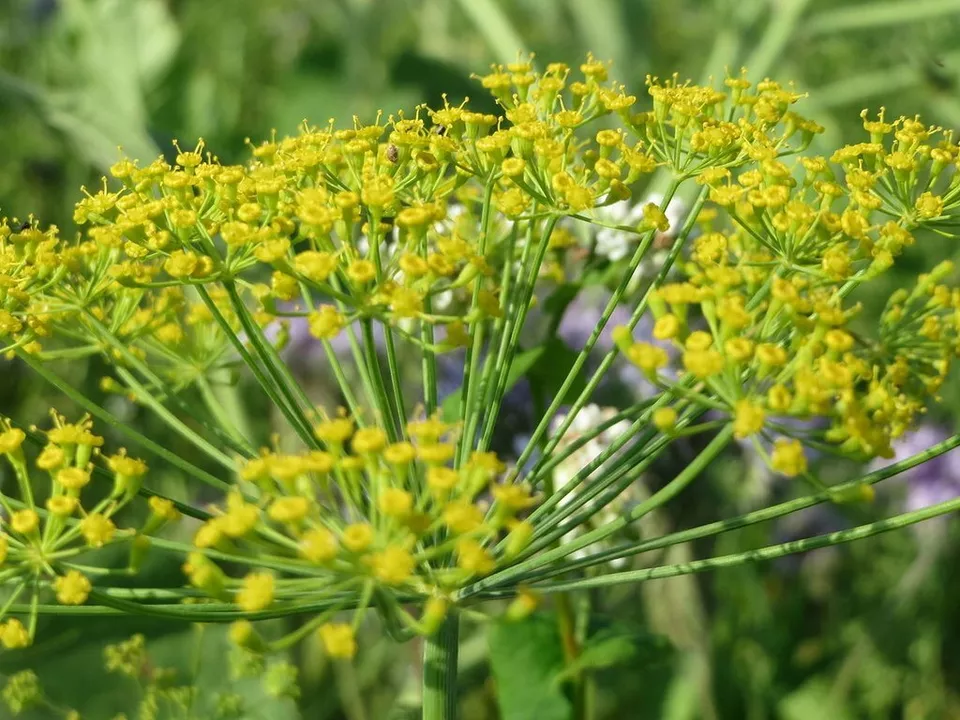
(865, 631)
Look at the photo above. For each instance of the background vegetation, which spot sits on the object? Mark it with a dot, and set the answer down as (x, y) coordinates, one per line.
(862, 631)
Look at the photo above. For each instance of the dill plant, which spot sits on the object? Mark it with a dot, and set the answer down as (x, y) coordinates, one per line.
(181, 274)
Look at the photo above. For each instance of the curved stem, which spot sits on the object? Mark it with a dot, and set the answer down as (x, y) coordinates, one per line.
(769, 552)
(751, 518)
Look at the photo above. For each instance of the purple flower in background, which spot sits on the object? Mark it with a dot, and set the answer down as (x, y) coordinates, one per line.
(304, 353)
(450, 373)
(936, 480)
(581, 319)
(583, 315)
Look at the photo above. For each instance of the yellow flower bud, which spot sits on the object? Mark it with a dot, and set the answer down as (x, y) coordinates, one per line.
(11, 440)
(667, 327)
(97, 529)
(338, 640)
(326, 322)
(318, 545)
(401, 453)
(393, 566)
(25, 521)
(51, 458)
(788, 458)
(62, 505)
(461, 516)
(442, 480)
(289, 509)
(434, 612)
(473, 557)
(256, 592)
(522, 606)
(14, 635)
(395, 503)
(73, 478)
(72, 588)
(369, 440)
(748, 419)
(357, 537)
(703, 363)
(665, 419)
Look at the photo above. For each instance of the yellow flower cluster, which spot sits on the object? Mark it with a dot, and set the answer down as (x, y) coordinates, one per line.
(766, 323)
(363, 511)
(40, 541)
(446, 220)
(380, 221)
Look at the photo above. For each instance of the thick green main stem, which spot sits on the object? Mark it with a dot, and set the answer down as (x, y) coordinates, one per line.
(440, 652)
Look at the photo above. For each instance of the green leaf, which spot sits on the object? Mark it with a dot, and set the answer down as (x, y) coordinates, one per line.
(811, 700)
(521, 365)
(617, 645)
(548, 374)
(493, 24)
(561, 297)
(525, 657)
(598, 653)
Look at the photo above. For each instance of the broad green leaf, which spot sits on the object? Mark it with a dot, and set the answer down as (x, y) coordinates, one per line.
(599, 653)
(525, 657)
(617, 645)
(157, 38)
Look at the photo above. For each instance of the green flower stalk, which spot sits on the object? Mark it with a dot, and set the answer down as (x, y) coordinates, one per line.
(183, 276)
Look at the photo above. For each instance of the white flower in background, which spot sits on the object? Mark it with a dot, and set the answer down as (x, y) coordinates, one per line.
(442, 301)
(585, 423)
(615, 245)
(387, 248)
(454, 211)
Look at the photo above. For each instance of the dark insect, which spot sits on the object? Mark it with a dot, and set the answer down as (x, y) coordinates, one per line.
(440, 130)
(938, 75)
(392, 153)
(25, 226)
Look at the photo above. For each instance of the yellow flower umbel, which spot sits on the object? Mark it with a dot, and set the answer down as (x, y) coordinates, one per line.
(363, 513)
(40, 544)
(437, 231)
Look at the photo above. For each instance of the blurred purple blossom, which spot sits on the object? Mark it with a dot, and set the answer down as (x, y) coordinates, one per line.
(305, 354)
(936, 480)
(581, 319)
